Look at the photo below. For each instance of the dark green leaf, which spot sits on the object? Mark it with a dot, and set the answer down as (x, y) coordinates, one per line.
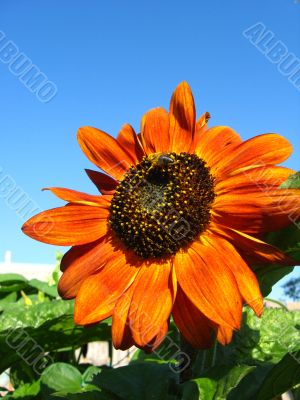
(269, 275)
(12, 283)
(250, 384)
(281, 377)
(146, 381)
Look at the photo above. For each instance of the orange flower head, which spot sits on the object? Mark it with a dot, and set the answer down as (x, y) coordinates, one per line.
(178, 222)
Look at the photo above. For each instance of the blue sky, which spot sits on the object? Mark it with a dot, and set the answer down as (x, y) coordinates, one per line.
(112, 61)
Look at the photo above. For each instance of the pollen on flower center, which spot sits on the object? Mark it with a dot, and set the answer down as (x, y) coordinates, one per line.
(162, 203)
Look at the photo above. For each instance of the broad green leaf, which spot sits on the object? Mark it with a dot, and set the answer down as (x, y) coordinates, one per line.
(62, 380)
(269, 275)
(61, 377)
(8, 279)
(12, 283)
(250, 384)
(146, 381)
(281, 377)
(44, 287)
(215, 384)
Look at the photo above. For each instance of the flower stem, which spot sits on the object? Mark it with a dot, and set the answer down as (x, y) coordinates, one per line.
(187, 359)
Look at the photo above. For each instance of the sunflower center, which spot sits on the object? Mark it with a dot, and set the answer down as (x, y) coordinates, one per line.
(162, 203)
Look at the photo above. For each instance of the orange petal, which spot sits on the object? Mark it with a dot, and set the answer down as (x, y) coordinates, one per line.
(158, 339)
(155, 131)
(209, 284)
(104, 183)
(214, 143)
(72, 196)
(182, 119)
(121, 334)
(224, 334)
(70, 225)
(261, 178)
(82, 261)
(260, 211)
(193, 325)
(99, 293)
(245, 278)
(152, 301)
(104, 151)
(254, 248)
(259, 150)
(129, 141)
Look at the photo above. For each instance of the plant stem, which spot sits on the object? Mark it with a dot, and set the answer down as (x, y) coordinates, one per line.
(277, 302)
(187, 359)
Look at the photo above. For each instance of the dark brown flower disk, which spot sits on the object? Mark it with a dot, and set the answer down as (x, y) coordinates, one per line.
(162, 203)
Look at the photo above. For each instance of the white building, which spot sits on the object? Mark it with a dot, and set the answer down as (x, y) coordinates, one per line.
(30, 271)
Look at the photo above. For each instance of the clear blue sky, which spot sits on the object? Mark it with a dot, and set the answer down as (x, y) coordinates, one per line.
(111, 61)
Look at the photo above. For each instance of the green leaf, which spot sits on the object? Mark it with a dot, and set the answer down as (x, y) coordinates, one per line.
(146, 381)
(269, 275)
(7, 299)
(89, 374)
(215, 384)
(11, 278)
(292, 182)
(21, 373)
(12, 283)
(27, 392)
(281, 377)
(44, 287)
(61, 377)
(248, 386)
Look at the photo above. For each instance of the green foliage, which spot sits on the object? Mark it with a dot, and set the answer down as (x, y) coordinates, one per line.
(281, 377)
(216, 384)
(292, 289)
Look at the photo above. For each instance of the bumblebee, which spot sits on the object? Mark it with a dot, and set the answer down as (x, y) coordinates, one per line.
(160, 160)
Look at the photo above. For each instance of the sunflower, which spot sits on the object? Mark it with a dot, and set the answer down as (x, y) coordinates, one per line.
(179, 220)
